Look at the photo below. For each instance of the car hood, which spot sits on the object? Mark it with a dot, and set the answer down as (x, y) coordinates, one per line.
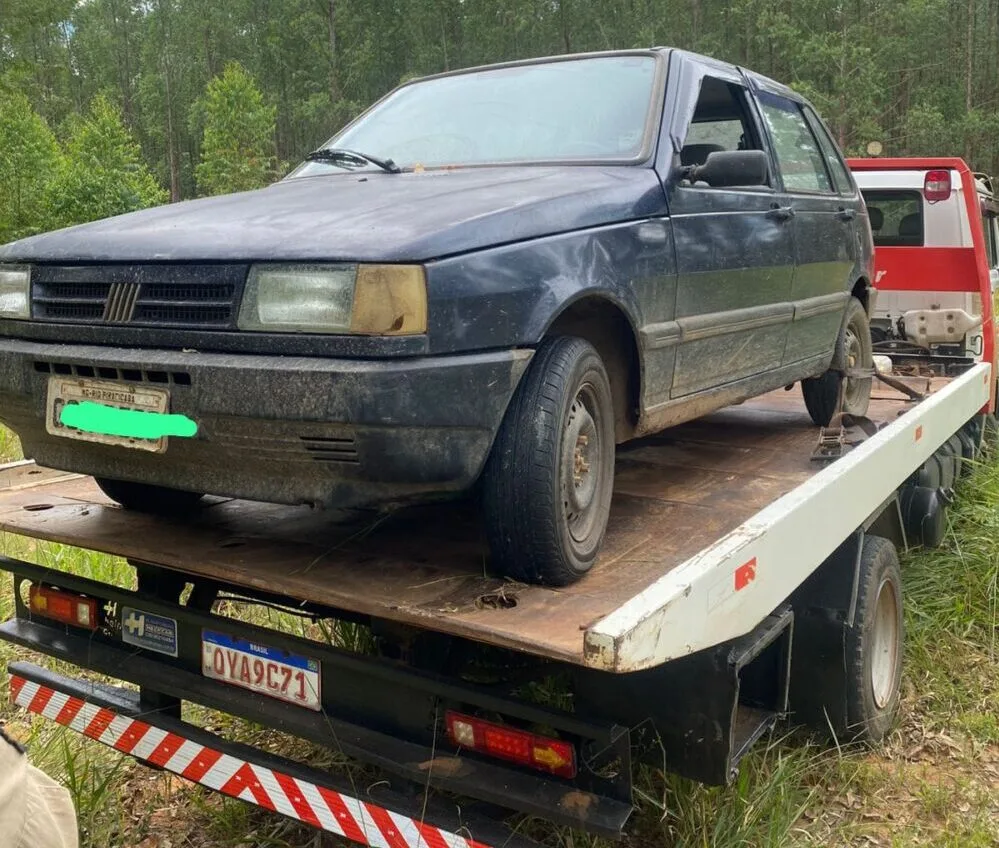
(362, 217)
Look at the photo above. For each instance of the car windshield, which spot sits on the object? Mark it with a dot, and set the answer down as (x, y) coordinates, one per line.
(582, 109)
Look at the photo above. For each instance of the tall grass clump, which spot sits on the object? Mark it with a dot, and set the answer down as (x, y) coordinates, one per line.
(952, 609)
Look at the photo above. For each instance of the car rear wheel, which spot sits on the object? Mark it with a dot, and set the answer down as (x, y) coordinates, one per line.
(143, 497)
(837, 390)
(548, 482)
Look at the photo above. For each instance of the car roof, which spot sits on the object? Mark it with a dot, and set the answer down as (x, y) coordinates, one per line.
(661, 50)
(762, 81)
(542, 60)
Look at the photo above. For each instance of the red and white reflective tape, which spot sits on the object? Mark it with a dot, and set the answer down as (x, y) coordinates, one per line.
(359, 821)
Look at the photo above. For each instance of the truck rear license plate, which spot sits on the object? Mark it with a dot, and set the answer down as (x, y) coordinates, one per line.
(260, 668)
(63, 391)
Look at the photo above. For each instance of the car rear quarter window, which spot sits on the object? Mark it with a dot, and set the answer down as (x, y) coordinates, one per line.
(896, 217)
(834, 161)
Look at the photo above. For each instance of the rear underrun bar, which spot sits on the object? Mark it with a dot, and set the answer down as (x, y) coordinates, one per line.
(374, 816)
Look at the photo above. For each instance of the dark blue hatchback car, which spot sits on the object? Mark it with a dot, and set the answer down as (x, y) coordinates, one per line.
(491, 276)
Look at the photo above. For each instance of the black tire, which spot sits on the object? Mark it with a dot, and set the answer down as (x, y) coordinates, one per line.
(833, 392)
(546, 489)
(874, 643)
(143, 497)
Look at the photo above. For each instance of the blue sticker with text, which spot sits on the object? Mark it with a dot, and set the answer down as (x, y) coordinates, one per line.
(147, 630)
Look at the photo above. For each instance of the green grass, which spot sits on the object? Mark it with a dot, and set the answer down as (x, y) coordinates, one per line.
(934, 783)
(10, 447)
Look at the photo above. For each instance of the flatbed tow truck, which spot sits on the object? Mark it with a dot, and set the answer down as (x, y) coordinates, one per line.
(750, 570)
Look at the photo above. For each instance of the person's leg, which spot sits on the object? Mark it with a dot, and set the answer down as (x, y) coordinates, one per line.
(35, 811)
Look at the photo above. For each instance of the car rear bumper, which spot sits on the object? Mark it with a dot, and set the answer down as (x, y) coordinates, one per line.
(334, 432)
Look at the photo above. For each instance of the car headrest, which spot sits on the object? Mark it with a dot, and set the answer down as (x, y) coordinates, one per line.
(877, 217)
(910, 226)
(697, 154)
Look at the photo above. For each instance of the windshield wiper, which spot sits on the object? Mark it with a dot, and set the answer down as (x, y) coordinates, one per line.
(340, 155)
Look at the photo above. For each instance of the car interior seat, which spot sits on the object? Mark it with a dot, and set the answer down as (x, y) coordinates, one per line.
(697, 154)
(877, 218)
(910, 230)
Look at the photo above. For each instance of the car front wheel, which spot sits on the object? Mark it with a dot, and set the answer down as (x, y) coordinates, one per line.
(548, 482)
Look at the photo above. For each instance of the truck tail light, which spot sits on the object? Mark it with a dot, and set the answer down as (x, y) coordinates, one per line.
(66, 607)
(554, 756)
(936, 186)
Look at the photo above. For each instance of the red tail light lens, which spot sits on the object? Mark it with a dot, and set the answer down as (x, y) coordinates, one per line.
(936, 186)
(554, 756)
(63, 606)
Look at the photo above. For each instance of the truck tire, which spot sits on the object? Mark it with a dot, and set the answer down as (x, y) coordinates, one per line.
(143, 497)
(874, 643)
(548, 482)
(833, 391)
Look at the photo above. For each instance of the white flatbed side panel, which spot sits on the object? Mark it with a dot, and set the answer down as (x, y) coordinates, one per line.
(727, 589)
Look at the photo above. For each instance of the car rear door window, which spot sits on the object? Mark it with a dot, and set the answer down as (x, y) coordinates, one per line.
(896, 217)
(798, 155)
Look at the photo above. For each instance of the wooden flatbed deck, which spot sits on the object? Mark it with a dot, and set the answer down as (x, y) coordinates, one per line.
(675, 494)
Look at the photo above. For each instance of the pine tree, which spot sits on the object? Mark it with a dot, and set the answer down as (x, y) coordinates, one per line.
(29, 156)
(102, 173)
(237, 151)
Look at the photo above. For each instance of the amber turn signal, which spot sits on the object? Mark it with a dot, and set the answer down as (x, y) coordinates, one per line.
(389, 300)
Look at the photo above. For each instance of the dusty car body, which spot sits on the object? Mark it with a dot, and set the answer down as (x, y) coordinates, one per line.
(690, 223)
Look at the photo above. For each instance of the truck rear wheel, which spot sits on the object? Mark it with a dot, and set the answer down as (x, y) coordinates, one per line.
(834, 391)
(548, 483)
(143, 497)
(874, 643)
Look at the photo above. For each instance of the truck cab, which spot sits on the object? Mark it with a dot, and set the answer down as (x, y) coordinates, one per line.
(936, 232)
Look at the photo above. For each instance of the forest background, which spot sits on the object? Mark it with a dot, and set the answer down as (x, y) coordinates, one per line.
(111, 105)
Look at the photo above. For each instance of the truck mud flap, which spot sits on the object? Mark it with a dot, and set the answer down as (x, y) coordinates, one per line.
(699, 715)
(368, 815)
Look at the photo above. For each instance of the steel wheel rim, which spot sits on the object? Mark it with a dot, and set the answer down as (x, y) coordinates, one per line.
(582, 469)
(854, 354)
(884, 645)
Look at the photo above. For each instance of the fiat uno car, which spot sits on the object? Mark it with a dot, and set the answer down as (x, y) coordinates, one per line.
(484, 282)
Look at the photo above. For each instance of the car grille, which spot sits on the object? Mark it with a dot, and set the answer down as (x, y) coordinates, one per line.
(104, 372)
(189, 296)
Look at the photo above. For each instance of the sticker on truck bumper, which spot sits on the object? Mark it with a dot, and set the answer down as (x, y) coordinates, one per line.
(146, 630)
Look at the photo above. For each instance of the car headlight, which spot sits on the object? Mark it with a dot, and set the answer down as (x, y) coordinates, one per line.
(377, 300)
(15, 291)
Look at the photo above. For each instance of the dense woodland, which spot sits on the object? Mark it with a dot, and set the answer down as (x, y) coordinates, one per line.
(108, 105)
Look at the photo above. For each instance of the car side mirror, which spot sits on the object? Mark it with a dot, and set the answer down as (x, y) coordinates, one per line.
(727, 168)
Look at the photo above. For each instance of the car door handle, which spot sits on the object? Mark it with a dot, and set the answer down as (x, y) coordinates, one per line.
(845, 214)
(780, 213)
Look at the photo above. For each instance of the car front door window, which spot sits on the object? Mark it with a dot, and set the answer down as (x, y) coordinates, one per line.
(735, 257)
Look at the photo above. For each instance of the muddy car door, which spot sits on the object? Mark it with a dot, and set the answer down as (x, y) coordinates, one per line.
(824, 219)
(733, 244)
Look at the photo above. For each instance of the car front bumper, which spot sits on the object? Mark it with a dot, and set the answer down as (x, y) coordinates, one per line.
(332, 432)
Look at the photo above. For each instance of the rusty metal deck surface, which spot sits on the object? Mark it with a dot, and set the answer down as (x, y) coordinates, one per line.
(675, 494)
